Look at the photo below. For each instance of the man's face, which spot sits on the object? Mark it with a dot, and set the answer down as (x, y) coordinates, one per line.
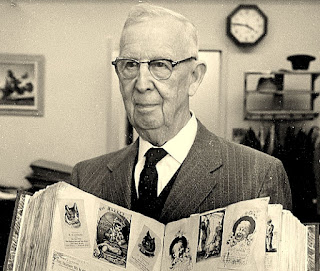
(242, 230)
(150, 103)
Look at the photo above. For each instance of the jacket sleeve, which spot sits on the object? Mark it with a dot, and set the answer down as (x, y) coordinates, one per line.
(276, 185)
(74, 176)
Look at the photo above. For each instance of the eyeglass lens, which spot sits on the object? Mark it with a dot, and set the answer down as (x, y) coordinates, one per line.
(160, 69)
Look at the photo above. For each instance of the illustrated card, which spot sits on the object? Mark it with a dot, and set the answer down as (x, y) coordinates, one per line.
(273, 235)
(74, 223)
(180, 244)
(113, 232)
(210, 235)
(146, 250)
(244, 232)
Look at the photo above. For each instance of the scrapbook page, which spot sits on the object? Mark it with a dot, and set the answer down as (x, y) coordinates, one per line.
(81, 232)
(62, 228)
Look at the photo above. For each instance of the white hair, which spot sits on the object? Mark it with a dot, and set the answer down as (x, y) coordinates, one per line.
(145, 12)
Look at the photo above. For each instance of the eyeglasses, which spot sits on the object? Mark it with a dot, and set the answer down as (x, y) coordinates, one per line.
(160, 69)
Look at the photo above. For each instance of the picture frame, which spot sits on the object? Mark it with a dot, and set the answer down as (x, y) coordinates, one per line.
(21, 85)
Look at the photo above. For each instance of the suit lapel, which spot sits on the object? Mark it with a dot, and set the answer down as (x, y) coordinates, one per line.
(197, 176)
(122, 169)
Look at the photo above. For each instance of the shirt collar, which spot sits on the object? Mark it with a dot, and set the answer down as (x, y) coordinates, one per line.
(178, 147)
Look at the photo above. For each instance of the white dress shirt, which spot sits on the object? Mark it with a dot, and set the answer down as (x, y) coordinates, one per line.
(177, 149)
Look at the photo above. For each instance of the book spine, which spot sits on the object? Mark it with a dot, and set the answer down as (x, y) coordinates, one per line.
(14, 233)
(316, 247)
(32, 252)
(312, 247)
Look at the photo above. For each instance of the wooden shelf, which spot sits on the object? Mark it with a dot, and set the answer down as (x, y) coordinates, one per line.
(278, 107)
(284, 92)
(317, 73)
(281, 115)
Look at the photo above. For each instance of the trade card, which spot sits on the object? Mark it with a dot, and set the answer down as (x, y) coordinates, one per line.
(146, 250)
(74, 223)
(113, 232)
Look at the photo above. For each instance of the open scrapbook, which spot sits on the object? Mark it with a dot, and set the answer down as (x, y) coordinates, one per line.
(63, 228)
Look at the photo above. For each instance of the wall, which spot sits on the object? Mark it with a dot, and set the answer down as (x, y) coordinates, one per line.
(77, 38)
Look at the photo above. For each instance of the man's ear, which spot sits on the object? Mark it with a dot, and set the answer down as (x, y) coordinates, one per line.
(197, 76)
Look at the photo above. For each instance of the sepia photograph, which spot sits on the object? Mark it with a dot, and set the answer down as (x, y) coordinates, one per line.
(171, 112)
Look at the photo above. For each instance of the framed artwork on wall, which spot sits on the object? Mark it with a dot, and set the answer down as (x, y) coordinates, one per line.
(21, 84)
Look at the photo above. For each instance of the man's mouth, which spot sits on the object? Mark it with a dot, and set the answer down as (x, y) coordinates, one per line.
(145, 107)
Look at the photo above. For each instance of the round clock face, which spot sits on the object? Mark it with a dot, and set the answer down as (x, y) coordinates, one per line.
(247, 25)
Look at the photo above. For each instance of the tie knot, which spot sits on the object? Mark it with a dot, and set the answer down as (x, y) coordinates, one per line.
(154, 155)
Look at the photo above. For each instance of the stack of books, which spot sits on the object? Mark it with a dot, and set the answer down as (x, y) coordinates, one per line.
(46, 172)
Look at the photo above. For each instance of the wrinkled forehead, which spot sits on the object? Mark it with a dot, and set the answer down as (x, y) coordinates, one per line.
(156, 37)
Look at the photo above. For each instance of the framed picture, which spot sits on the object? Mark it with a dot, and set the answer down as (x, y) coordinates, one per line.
(21, 84)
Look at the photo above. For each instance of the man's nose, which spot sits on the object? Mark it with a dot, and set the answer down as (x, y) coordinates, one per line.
(144, 78)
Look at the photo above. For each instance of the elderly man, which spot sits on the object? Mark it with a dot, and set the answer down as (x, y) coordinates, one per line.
(176, 167)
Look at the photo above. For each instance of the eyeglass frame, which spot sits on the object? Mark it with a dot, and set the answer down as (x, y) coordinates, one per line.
(172, 62)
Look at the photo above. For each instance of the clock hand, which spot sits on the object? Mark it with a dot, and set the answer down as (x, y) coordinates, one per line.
(245, 25)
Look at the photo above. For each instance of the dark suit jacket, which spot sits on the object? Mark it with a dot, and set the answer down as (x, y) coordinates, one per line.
(214, 174)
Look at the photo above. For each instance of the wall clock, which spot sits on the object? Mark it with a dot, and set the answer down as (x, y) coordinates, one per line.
(247, 25)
